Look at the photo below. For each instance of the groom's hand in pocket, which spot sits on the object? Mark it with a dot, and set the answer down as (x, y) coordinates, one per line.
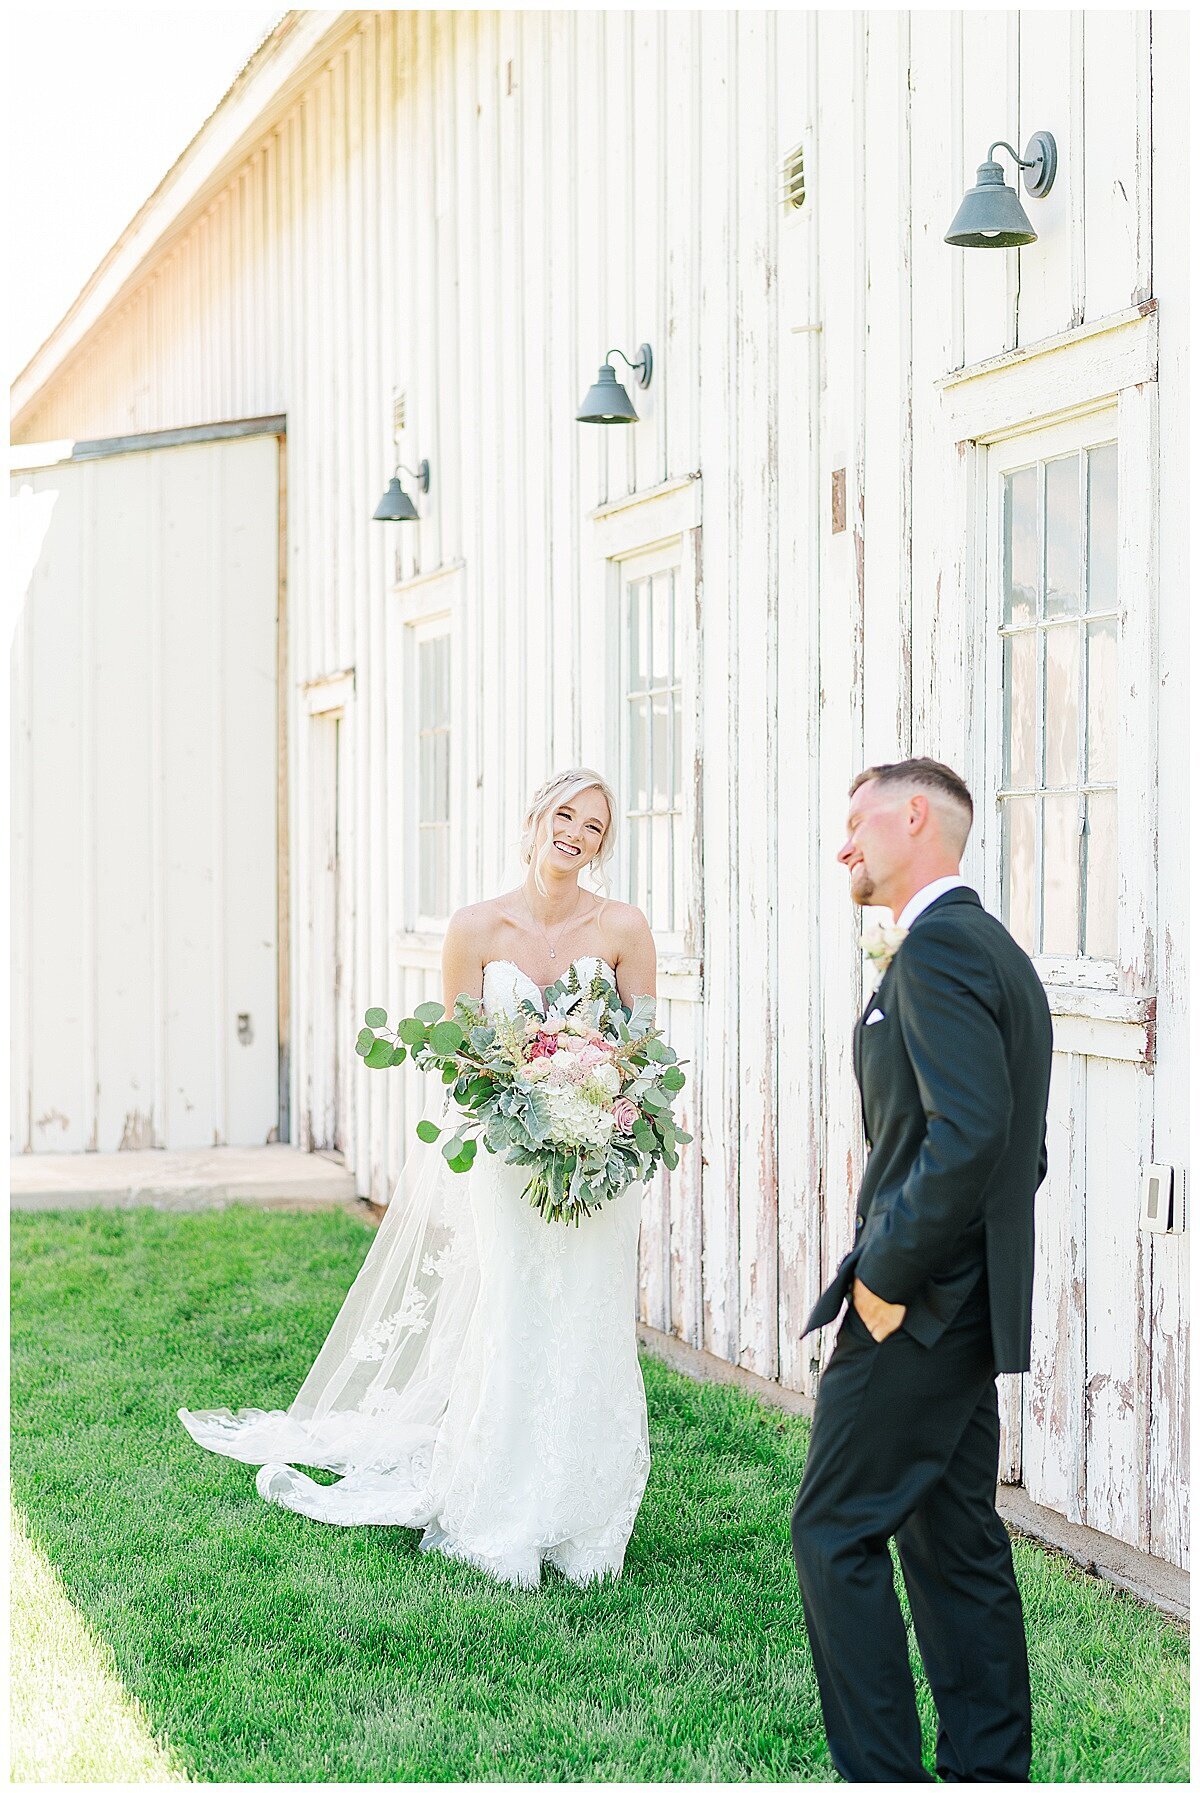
(881, 1318)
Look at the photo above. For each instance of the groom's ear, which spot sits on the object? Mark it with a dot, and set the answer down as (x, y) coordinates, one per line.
(918, 812)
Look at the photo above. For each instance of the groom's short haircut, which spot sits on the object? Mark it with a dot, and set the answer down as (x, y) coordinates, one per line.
(949, 793)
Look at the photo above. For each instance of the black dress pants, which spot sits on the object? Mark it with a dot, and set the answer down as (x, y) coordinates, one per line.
(905, 1444)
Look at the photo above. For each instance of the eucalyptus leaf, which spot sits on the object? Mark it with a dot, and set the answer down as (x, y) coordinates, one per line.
(398, 1055)
(376, 1017)
(364, 1042)
(429, 1012)
(428, 1131)
(412, 1031)
(379, 1055)
(446, 1037)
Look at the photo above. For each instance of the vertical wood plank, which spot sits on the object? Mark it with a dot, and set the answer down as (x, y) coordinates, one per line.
(1170, 1327)
(1117, 1276)
(801, 842)
(1049, 296)
(720, 1128)
(1053, 1427)
(756, 611)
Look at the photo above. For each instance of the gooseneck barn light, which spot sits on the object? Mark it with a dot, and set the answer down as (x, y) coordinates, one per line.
(396, 506)
(607, 401)
(991, 216)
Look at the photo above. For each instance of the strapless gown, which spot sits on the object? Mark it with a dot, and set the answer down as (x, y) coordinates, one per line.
(481, 1381)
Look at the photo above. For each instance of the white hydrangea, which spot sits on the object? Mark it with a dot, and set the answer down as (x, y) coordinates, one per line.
(576, 1121)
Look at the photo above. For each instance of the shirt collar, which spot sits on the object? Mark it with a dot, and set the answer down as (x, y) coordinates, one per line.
(916, 905)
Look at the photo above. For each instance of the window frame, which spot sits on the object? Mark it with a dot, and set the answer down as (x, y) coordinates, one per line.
(661, 518)
(1075, 374)
(1096, 429)
(667, 557)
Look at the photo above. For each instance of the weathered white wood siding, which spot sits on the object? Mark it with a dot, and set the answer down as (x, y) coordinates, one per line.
(143, 803)
(471, 209)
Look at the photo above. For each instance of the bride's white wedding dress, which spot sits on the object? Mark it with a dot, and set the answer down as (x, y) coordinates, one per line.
(481, 1381)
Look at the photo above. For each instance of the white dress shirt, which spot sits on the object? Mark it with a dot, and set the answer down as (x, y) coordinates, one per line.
(916, 905)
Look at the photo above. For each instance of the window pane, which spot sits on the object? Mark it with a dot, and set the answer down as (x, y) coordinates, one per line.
(661, 628)
(1020, 906)
(639, 634)
(661, 760)
(1020, 546)
(677, 749)
(1102, 702)
(1102, 528)
(1062, 706)
(1100, 940)
(1060, 875)
(427, 882)
(639, 755)
(441, 795)
(635, 893)
(1020, 710)
(660, 873)
(427, 748)
(1062, 536)
(679, 866)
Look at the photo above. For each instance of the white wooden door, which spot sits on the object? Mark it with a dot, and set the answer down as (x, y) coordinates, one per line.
(144, 789)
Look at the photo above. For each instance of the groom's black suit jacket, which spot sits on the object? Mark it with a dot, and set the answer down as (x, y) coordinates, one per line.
(954, 1081)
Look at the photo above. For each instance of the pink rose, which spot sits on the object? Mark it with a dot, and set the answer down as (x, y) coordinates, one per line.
(553, 1027)
(593, 1055)
(624, 1114)
(544, 1046)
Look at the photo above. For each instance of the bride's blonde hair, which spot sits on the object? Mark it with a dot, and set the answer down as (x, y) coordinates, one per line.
(546, 799)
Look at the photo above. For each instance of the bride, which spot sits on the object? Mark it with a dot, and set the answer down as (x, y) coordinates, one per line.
(481, 1381)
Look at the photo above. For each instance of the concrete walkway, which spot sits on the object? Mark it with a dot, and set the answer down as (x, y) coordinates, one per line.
(271, 1176)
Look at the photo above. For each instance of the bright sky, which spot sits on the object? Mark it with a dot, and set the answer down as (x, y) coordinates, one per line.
(99, 105)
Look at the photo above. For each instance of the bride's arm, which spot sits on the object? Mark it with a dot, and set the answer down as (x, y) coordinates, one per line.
(637, 962)
(462, 960)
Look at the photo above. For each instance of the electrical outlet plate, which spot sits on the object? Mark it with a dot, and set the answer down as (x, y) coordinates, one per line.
(1163, 1199)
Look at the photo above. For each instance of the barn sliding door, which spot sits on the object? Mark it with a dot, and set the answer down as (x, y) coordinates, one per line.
(144, 788)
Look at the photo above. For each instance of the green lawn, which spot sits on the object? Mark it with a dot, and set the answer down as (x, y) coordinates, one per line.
(253, 1645)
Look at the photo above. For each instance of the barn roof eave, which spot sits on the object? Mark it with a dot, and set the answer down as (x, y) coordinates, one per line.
(268, 78)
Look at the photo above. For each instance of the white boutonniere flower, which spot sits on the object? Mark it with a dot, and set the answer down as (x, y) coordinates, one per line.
(880, 945)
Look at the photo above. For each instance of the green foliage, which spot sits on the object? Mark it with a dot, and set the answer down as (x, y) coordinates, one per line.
(428, 1132)
(429, 1012)
(375, 1018)
(447, 1037)
(266, 1648)
(412, 1031)
(379, 1055)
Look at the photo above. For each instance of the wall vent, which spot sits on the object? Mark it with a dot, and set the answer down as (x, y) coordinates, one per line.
(398, 409)
(793, 179)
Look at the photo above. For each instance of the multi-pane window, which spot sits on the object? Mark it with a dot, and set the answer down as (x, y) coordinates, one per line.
(433, 774)
(652, 664)
(1060, 644)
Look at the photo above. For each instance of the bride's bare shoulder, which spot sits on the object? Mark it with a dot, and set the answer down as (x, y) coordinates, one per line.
(627, 922)
(477, 924)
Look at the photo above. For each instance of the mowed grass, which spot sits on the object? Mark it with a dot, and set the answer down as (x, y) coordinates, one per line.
(259, 1646)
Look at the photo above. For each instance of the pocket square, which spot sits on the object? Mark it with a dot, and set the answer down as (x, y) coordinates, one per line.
(874, 1016)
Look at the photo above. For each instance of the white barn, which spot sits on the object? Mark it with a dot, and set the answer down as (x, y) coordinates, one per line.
(885, 496)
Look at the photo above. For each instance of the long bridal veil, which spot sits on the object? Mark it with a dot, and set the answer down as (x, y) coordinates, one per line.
(371, 1404)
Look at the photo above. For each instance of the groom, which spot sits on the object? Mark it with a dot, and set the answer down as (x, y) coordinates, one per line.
(952, 1057)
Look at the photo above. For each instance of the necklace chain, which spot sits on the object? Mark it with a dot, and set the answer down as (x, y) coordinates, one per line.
(541, 930)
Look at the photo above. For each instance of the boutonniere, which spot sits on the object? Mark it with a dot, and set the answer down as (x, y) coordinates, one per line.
(880, 945)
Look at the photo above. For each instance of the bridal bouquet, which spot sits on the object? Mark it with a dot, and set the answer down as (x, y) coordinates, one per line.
(581, 1094)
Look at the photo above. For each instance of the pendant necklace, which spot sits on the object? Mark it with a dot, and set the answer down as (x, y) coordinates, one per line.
(541, 930)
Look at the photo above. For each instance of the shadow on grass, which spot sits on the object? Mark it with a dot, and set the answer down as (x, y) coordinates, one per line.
(264, 1647)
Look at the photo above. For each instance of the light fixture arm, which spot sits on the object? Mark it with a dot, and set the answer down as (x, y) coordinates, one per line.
(1041, 156)
(420, 474)
(643, 367)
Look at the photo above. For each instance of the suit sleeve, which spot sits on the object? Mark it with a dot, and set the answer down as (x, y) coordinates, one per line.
(944, 1000)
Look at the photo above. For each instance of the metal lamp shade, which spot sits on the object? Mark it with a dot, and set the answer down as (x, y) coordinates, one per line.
(395, 506)
(991, 216)
(607, 401)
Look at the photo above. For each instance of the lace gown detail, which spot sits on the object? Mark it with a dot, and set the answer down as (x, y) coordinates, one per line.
(481, 1381)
